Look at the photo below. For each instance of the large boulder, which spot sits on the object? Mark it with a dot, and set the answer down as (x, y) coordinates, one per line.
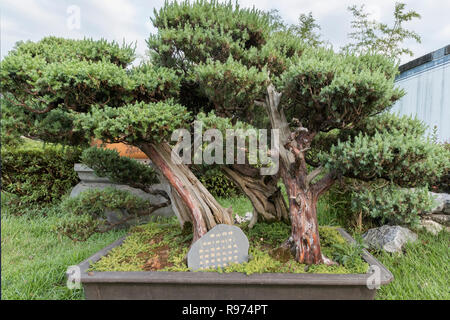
(442, 201)
(389, 238)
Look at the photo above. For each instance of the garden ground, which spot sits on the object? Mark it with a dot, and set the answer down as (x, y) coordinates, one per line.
(34, 257)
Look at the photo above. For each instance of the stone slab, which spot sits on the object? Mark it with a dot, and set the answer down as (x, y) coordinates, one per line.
(219, 247)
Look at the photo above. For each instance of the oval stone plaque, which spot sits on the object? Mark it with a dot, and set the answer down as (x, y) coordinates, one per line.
(220, 247)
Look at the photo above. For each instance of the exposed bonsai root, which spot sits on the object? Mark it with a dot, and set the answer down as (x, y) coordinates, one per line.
(328, 261)
(254, 219)
(262, 191)
(286, 252)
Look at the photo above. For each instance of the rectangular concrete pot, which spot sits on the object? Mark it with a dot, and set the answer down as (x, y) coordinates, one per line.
(228, 286)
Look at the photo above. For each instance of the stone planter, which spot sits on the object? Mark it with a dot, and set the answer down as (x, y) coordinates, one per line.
(156, 285)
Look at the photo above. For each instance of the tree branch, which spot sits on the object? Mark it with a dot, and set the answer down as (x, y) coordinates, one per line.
(259, 103)
(23, 104)
(311, 176)
(325, 183)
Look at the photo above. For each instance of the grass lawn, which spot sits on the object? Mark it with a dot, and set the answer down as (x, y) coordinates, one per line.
(34, 257)
(421, 272)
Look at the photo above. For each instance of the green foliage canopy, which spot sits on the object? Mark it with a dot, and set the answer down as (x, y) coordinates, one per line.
(54, 80)
(108, 163)
(213, 56)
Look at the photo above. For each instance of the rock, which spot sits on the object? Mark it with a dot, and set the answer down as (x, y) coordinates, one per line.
(440, 218)
(219, 247)
(442, 203)
(389, 238)
(248, 216)
(430, 226)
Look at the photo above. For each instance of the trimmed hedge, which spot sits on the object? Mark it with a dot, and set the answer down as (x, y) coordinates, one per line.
(38, 173)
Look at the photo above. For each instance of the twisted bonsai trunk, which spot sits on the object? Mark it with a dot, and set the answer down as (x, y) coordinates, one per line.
(263, 192)
(305, 233)
(303, 195)
(205, 211)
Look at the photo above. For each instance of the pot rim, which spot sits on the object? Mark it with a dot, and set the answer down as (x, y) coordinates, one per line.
(233, 278)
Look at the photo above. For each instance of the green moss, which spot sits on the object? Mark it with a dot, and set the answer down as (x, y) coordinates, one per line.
(146, 241)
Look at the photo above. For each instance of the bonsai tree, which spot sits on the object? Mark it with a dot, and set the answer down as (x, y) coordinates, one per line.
(324, 104)
(230, 67)
(71, 90)
(195, 40)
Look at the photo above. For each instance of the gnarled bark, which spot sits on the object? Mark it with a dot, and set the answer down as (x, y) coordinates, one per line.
(303, 195)
(181, 211)
(205, 211)
(263, 192)
(305, 231)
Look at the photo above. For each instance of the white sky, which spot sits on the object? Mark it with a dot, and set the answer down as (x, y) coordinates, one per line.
(129, 19)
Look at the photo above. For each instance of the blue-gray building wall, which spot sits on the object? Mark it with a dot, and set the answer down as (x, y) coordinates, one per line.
(426, 82)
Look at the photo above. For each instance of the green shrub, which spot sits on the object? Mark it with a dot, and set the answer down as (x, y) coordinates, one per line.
(365, 205)
(218, 183)
(95, 201)
(348, 255)
(108, 163)
(443, 183)
(378, 167)
(12, 123)
(85, 213)
(38, 173)
(392, 204)
(77, 228)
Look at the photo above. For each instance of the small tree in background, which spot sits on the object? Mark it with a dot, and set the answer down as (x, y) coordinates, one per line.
(307, 30)
(370, 36)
